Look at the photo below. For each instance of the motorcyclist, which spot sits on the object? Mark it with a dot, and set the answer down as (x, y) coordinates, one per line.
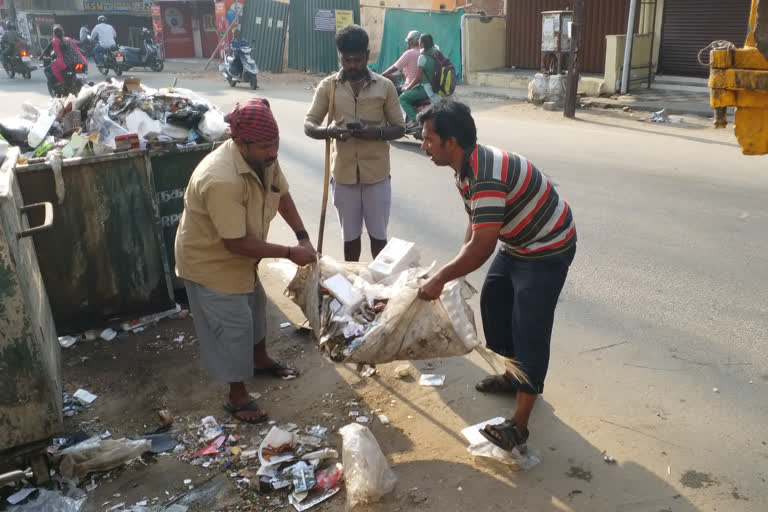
(85, 33)
(105, 37)
(236, 67)
(9, 40)
(407, 63)
(66, 52)
(421, 88)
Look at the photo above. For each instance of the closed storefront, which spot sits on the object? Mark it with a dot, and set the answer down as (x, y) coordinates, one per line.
(177, 29)
(690, 25)
(603, 17)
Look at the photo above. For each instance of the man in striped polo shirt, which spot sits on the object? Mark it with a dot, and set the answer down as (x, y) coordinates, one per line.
(510, 201)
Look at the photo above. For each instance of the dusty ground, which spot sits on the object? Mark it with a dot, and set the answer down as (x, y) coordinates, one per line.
(138, 375)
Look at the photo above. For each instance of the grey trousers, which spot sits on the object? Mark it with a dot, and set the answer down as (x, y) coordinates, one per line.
(359, 203)
(228, 326)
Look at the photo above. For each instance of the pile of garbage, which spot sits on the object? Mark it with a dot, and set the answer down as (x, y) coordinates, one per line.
(283, 463)
(280, 458)
(112, 116)
(371, 314)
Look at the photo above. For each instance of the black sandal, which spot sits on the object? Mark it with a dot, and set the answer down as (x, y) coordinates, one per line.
(251, 406)
(277, 371)
(506, 436)
(497, 384)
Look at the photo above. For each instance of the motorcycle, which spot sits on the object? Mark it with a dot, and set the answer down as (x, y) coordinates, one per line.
(250, 69)
(75, 77)
(86, 47)
(415, 130)
(113, 59)
(148, 57)
(19, 62)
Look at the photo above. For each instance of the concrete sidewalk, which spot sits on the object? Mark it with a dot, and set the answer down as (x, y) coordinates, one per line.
(651, 100)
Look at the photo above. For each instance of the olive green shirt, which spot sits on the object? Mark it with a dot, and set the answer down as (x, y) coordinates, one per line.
(356, 160)
(225, 199)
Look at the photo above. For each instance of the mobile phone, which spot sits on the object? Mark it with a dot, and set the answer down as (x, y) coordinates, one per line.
(354, 126)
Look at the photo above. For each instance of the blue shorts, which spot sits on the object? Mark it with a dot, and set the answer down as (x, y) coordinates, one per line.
(518, 304)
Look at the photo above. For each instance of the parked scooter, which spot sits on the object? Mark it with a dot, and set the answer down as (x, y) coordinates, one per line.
(113, 59)
(250, 69)
(19, 61)
(148, 57)
(75, 77)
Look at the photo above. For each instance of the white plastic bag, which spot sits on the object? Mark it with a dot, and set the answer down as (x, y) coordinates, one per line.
(556, 86)
(366, 470)
(54, 501)
(212, 126)
(538, 88)
(107, 128)
(96, 454)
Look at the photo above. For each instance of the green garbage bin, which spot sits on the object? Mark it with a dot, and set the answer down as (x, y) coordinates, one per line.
(170, 175)
(105, 257)
(30, 366)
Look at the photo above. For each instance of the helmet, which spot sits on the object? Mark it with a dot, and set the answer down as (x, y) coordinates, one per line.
(102, 19)
(413, 37)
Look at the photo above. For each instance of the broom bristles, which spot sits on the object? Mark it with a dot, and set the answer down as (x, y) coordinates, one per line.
(501, 365)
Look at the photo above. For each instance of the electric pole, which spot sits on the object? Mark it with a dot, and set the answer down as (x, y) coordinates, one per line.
(574, 67)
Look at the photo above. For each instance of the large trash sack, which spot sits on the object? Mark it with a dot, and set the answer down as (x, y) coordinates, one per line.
(544, 88)
(407, 328)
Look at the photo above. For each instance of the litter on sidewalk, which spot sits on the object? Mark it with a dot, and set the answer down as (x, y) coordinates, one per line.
(366, 470)
(479, 446)
(96, 454)
(85, 396)
(428, 379)
(21, 495)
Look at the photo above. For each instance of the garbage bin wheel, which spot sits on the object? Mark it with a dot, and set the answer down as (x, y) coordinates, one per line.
(39, 464)
(254, 82)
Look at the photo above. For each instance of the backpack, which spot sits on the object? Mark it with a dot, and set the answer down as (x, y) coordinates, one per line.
(443, 79)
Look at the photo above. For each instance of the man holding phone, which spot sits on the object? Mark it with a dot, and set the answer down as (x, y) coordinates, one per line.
(366, 115)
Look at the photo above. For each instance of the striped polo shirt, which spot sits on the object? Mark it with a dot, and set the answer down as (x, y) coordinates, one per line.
(506, 190)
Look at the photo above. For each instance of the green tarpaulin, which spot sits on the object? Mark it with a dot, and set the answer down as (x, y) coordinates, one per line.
(445, 28)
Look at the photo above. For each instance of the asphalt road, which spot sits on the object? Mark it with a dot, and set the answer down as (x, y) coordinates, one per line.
(659, 350)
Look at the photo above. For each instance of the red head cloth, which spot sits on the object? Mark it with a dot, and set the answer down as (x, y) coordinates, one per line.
(252, 121)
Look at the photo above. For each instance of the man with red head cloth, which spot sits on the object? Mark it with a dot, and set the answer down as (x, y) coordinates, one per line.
(231, 198)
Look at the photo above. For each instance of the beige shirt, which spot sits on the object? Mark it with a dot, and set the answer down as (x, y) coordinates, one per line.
(356, 160)
(225, 199)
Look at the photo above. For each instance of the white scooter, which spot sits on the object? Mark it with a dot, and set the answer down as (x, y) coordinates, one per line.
(250, 69)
